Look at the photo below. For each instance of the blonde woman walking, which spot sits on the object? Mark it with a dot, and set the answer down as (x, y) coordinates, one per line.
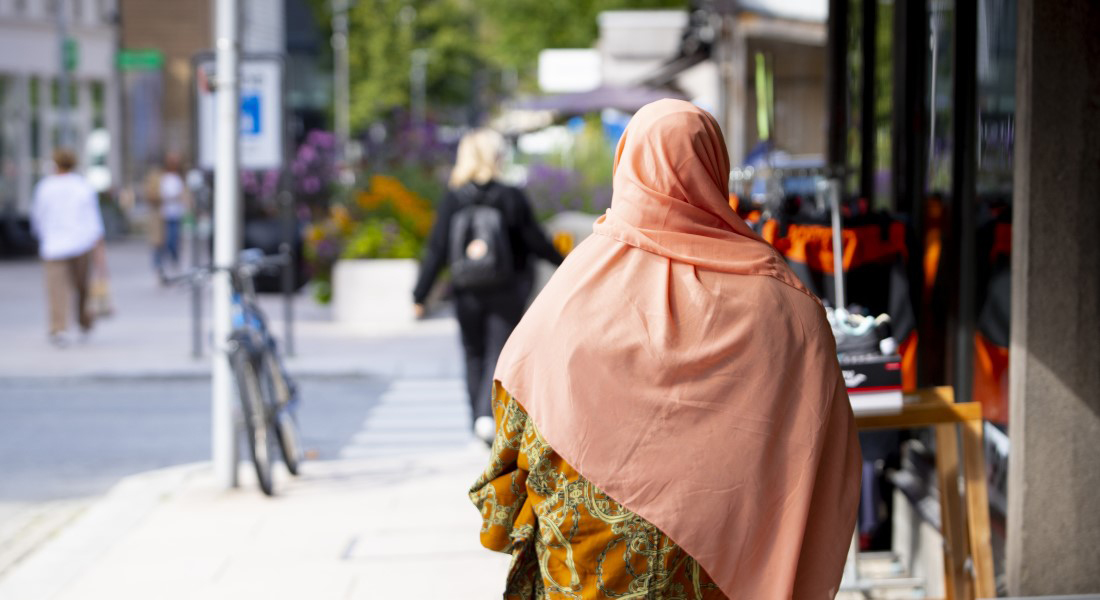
(487, 234)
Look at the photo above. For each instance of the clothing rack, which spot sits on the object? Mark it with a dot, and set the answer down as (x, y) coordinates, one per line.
(741, 181)
(829, 188)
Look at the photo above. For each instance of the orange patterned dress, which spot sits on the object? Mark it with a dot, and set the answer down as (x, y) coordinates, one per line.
(566, 537)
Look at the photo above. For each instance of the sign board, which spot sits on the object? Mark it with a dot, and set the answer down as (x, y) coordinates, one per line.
(569, 70)
(70, 54)
(139, 60)
(261, 112)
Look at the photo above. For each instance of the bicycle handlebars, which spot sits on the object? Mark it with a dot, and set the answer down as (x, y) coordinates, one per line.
(250, 262)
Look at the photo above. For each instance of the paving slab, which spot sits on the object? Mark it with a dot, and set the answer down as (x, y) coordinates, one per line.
(394, 527)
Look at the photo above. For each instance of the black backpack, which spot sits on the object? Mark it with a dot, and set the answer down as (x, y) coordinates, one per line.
(480, 252)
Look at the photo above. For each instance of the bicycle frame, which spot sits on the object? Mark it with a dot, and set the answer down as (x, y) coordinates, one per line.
(267, 393)
(249, 329)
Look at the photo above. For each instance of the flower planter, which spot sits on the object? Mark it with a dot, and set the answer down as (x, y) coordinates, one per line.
(373, 292)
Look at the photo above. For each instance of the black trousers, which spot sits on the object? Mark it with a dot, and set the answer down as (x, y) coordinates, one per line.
(485, 320)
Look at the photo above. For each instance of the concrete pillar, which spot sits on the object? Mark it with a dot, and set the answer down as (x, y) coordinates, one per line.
(739, 101)
(85, 117)
(731, 84)
(46, 113)
(1053, 538)
(112, 120)
(24, 161)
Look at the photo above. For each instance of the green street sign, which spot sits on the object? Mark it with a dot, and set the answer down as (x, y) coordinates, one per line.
(70, 54)
(140, 60)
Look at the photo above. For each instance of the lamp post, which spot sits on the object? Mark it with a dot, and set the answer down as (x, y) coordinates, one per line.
(341, 79)
(418, 81)
(227, 240)
(66, 63)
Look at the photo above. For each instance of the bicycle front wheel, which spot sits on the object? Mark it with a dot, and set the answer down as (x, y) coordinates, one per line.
(286, 426)
(255, 416)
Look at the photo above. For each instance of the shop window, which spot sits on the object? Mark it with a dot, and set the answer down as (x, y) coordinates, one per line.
(996, 130)
(939, 107)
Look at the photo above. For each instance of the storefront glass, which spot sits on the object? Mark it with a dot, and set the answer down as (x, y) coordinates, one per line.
(939, 108)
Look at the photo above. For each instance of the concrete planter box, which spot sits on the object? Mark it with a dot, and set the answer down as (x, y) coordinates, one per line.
(373, 291)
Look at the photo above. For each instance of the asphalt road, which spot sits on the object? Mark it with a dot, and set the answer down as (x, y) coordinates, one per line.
(75, 438)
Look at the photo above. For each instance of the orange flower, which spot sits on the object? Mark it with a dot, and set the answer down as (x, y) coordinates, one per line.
(367, 200)
(315, 233)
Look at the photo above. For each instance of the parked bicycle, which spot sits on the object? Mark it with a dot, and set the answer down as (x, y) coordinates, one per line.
(268, 395)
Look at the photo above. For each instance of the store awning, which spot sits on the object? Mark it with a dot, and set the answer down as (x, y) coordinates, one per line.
(626, 99)
(669, 71)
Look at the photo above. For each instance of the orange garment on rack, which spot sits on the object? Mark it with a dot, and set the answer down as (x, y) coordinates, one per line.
(874, 261)
(990, 385)
(991, 379)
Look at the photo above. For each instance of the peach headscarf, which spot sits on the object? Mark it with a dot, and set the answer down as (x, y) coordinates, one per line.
(677, 363)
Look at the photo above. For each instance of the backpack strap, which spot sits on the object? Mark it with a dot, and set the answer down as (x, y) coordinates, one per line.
(468, 194)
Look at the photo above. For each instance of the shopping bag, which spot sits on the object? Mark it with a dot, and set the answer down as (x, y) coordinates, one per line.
(99, 298)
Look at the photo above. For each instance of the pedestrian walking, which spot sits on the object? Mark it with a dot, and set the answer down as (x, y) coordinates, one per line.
(672, 420)
(169, 201)
(487, 234)
(66, 219)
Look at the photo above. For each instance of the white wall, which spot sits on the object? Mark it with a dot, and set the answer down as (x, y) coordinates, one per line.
(634, 43)
(262, 26)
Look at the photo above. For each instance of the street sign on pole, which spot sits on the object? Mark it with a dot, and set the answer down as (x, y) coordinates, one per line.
(70, 54)
(340, 78)
(67, 52)
(223, 158)
(260, 117)
(139, 60)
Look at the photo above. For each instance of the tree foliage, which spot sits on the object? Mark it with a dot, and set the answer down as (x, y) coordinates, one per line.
(382, 36)
(463, 38)
(516, 30)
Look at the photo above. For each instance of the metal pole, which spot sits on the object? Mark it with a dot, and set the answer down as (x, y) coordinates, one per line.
(964, 164)
(837, 84)
(724, 62)
(340, 74)
(64, 80)
(286, 202)
(838, 247)
(867, 125)
(418, 79)
(226, 241)
(199, 192)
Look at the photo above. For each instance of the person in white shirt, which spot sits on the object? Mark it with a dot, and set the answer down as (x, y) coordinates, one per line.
(173, 201)
(66, 219)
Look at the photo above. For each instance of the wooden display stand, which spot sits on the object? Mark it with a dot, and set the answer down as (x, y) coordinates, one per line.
(968, 557)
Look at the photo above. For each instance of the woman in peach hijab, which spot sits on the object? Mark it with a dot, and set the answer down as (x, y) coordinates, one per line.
(671, 418)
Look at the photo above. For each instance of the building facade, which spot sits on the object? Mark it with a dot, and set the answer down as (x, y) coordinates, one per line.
(36, 115)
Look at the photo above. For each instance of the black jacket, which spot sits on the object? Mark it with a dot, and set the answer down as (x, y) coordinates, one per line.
(527, 237)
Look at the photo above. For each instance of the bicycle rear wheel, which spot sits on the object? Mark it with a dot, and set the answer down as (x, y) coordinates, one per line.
(255, 417)
(280, 392)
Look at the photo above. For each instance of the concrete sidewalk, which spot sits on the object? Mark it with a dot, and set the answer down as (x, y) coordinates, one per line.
(362, 526)
(390, 519)
(398, 527)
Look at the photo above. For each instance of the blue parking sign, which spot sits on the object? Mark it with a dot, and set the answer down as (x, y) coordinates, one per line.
(260, 121)
(250, 114)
